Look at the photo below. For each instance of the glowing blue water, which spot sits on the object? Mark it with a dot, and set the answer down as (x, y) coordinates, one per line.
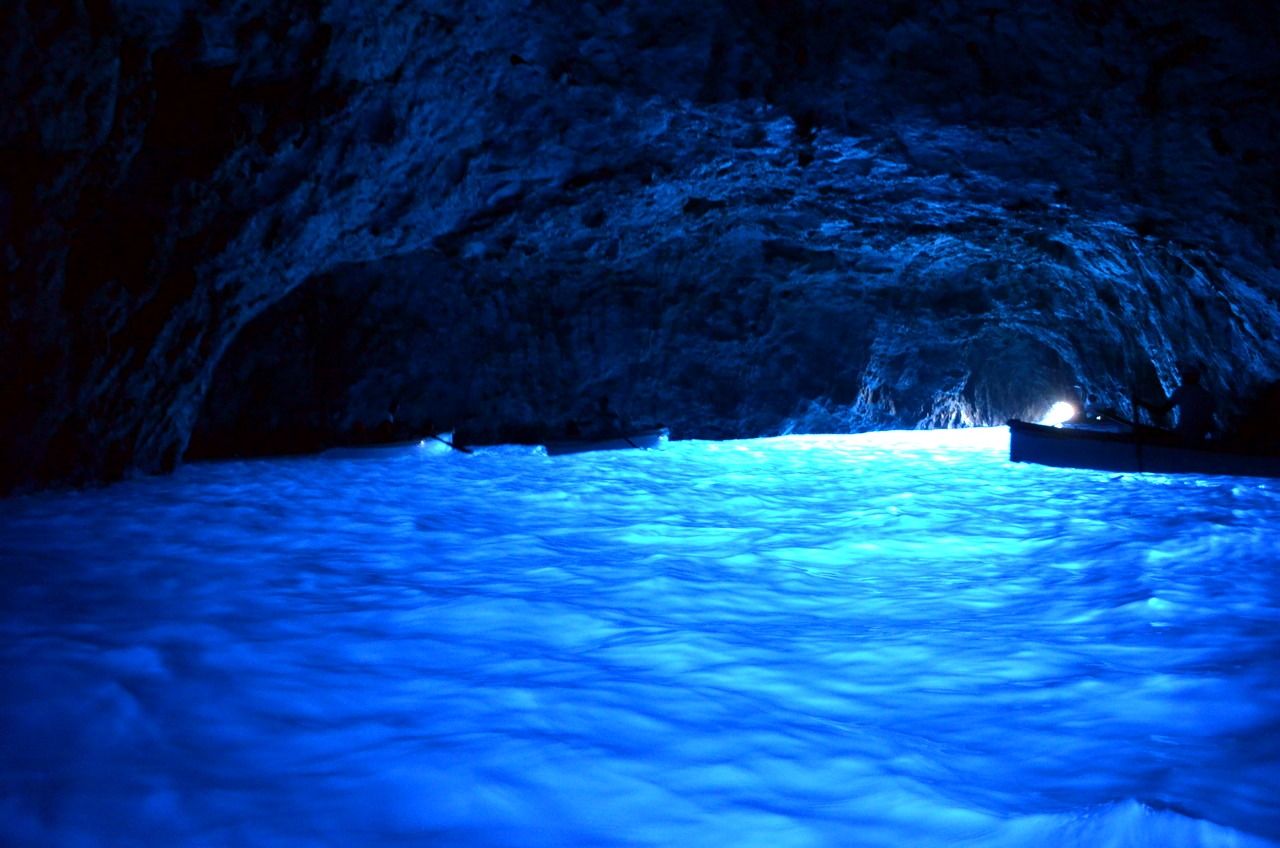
(893, 639)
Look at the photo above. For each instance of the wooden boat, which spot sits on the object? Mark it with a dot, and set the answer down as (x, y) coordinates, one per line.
(643, 439)
(441, 443)
(1129, 448)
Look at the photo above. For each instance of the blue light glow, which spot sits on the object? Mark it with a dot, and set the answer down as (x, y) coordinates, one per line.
(890, 639)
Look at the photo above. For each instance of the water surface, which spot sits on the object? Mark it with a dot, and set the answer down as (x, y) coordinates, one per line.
(879, 640)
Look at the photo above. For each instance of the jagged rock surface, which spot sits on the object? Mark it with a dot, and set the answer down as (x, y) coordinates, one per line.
(734, 217)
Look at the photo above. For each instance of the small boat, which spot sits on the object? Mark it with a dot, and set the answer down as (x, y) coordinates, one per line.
(649, 439)
(441, 443)
(1107, 446)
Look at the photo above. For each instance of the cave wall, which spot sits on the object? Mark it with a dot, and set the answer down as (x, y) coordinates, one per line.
(739, 216)
(951, 332)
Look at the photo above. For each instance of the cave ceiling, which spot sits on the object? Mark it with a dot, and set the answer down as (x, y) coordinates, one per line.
(242, 227)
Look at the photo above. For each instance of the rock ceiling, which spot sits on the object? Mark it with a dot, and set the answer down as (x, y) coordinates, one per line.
(238, 227)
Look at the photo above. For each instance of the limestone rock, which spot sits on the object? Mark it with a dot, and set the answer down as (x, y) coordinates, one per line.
(264, 225)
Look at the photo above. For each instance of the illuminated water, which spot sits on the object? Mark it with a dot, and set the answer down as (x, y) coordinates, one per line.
(888, 640)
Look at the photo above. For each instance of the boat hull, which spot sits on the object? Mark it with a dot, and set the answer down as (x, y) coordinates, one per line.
(1127, 451)
(427, 444)
(643, 439)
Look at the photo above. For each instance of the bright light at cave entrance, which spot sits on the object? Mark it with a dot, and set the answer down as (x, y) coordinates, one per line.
(1059, 414)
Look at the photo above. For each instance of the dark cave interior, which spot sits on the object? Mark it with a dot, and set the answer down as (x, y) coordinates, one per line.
(234, 227)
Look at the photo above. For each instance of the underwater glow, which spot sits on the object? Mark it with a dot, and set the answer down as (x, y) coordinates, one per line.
(1060, 413)
(880, 640)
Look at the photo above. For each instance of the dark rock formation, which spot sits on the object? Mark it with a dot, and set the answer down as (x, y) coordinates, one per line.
(735, 217)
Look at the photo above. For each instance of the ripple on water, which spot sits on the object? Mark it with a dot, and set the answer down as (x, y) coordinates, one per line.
(887, 639)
